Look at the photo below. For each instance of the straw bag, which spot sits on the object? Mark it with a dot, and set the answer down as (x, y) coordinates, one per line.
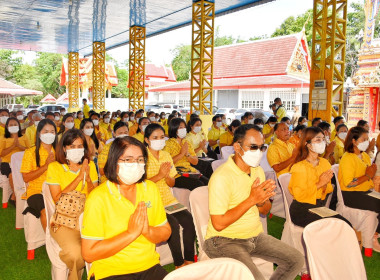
(68, 209)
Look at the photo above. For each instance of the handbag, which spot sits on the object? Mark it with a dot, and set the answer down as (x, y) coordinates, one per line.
(68, 209)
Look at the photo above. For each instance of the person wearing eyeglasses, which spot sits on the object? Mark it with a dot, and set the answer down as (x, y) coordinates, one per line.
(124, 218)
(238, 194)
(281, 154)
(310, 181)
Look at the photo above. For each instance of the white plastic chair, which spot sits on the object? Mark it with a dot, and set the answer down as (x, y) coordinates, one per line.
(200, 211)
(220, 268)
(7, 190)
(19, 185)
(335, 254)
(362, 220)
(226, 151)
(216, 163)
(59, 270)
(182, 195)
(292, 234)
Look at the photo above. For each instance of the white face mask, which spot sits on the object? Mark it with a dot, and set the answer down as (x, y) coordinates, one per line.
(197, 129)
(182, 133)
(88, 131)
(157, 145)
(224, 121)
(157, 119)
(130, 173)
(327, 139)
(261, 126)
(57, 118)
(152, 119)
(13, 129)
(271, 124)
(250, 121)
(115, 118)
(4, 119)
(143, 127)
(69, 125)
(47, 138)
(75, 155)
(122, 135)
(125, 120)
(75, 115)
(252, 158)
(107, 120)
(20, 117)
(80, 116)
(219, 124)
(36, 123)
(132, 118)
(342, 135)
(318, 148)
(363, 146)
(137, 120)
(96, 122)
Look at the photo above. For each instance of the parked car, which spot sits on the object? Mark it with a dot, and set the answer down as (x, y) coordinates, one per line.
(30, 108)
(152, 107)
(239, 113)
(228, 112)
(50, 108)
(14, 107)
(257, 113)
(168, 108)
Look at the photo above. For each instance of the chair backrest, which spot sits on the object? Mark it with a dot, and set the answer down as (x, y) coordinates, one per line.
(49, 203)
(199, 209)
(226, 151)
(216, 163)
(335, 169)
(335, 254)
(264, 163)
(284, 180)
(219, 268)
(16, 161)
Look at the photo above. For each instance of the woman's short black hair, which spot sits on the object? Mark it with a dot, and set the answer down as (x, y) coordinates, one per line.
(93, 135)
(119, 124)
(258, 121)
(354, 133)
(40, 126)
(324, 126)
(241, 131)
(123, 114)
(271, 119)
(7, 134)
(301, 119)
(68, 139)
(192, 122)
(174, 125)
(234, 123)
(150, 129)
(62, 127)
(285, 119)
(140, 121)
(118, 146)
(131, 114)
(340, 126)
(300, 127)
(362, 123)
(337, 119)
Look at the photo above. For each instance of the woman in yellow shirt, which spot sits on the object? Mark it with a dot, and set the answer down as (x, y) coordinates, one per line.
(73, 170)
(124, 218)
(310, 180)
(166, 125)
(94, 145)
(66, 124)
(78, 119)
(341, 134)
(268, 130)
(12, 142)
(34, 168)
(143, 123)
(227, 138)
(196, 136)
(356, 175)
(161, 170)
(183, 156)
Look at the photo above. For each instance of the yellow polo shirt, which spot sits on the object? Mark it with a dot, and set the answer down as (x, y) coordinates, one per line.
(174, 148)
(195, 140)
(107, 213)
(7, 142)
(304, 179)
(228, 187)
(2, 130)
(226, 138)
(350, 167)
(278, 152)
(133, 129)
(214, 134)
(103, 131)
(60, 174)
(333, 134)
(139, 136)
(31, 132)
(77, 123)
(281, 112)
(266, 129)
(29, 164)
(153, 168)
(86, 110)
(295, 140)
(338, 150)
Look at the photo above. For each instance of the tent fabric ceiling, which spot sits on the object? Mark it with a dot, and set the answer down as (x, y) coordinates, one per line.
(43, 25)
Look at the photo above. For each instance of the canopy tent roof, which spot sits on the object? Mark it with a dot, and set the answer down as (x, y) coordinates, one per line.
(64, 98)
(43, 25)
(11, 89)
(48, 99)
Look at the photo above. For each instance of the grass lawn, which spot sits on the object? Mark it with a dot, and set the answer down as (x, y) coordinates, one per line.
(15, 266)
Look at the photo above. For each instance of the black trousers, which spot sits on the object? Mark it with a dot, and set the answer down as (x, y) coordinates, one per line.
(190, 183)
(156, 272)
(5, 169)
(361, 200)
(184, 219)
(301, 216)
(204, 166)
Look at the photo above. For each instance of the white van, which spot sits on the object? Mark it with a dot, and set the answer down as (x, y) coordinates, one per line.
(14, 107)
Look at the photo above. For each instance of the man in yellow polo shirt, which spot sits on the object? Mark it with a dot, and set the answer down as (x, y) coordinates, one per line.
(280, 153)
(86, 108)
(238, 193)
(280, 109)
(31, 131)
(215, 132)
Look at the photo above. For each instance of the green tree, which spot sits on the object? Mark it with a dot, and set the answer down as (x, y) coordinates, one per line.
(182, 61)
(121, 90)
(9, 63)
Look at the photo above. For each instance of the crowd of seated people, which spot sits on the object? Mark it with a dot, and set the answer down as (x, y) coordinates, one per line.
(124, 165)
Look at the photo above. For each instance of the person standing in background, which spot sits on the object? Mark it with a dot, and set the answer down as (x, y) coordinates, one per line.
(296, 116)
(86, 108)
(280, 109)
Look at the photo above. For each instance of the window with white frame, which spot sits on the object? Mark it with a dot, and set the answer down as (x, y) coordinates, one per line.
(169, 97)
(184, 99)
(252, 99)
(288, 98)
